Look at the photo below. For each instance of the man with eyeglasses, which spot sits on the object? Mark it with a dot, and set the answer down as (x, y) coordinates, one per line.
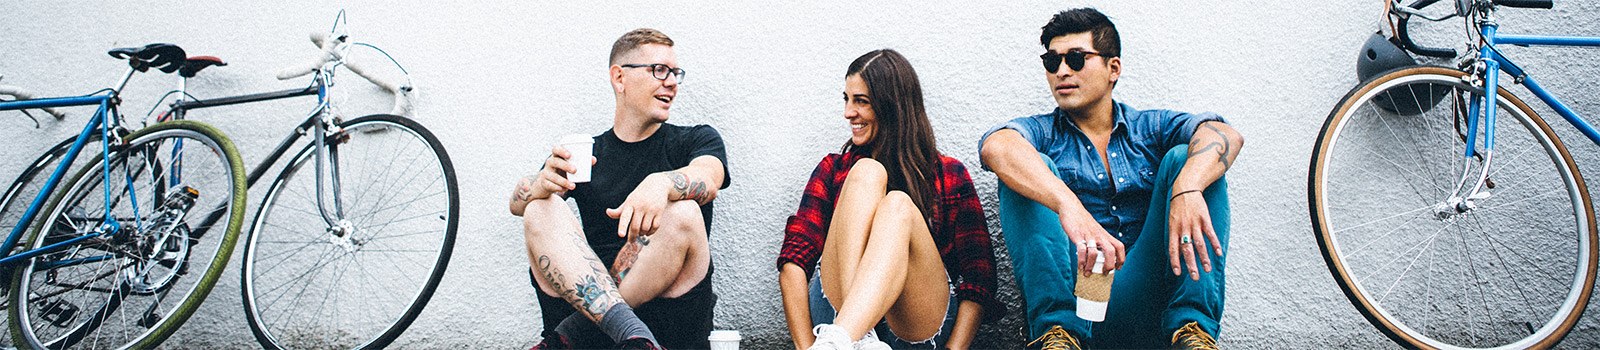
(635, 272)
(1098, 179)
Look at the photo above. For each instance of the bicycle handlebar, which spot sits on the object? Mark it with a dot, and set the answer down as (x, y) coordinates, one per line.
(1403, 33)
(331, 53)
(1463, 8)
(1527, 4)
(21, 94)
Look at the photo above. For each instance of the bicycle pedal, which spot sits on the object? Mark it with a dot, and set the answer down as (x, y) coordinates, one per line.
(59, 313)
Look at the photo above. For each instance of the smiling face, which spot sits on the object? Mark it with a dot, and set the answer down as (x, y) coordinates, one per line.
(858, 110)
(1090, 86)
(638, 92)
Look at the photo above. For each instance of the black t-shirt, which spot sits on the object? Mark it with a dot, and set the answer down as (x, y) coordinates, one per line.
(621, 166)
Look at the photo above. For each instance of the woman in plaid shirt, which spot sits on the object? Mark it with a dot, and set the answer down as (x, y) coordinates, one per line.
(897, 228)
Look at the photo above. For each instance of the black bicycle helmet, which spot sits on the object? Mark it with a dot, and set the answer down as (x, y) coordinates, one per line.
(1379, 55)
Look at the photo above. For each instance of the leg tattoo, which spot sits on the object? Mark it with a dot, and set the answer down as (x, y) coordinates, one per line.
(591, 292)
(627, 256)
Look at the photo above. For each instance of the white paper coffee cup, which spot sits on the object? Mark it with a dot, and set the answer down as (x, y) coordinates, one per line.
(724, 340)
(581, 147)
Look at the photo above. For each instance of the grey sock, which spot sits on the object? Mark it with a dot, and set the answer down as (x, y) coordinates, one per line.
(578, 329)
(621, 324)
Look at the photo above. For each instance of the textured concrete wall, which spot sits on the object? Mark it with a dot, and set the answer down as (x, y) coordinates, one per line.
(502, 80)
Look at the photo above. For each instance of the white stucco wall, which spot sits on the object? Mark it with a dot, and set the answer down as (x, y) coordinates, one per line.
(501, 80)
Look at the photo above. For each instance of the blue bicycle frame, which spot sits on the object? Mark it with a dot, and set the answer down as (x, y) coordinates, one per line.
(105, 120)
(1495, 62)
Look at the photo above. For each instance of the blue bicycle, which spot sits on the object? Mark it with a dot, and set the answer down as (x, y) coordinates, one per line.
(122, 249)
(1448, 211)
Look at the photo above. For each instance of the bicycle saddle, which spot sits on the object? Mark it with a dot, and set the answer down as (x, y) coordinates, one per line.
(194, 64)
(166, 57)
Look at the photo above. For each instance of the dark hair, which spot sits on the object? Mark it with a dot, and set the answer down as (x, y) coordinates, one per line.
(903, 141)
(636, 38)
(1081, 20)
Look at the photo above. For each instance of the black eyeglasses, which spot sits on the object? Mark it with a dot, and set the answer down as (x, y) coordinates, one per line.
(659, 71)
(1074, 60)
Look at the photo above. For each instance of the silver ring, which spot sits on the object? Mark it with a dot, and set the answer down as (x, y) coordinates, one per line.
(1185, 240)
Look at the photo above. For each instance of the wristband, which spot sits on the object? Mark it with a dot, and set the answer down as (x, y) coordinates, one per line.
(1180, 193)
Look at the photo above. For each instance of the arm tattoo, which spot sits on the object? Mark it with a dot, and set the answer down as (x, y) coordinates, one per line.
(686, 188)
(1221, 146)
(525, 188)
(589, 293)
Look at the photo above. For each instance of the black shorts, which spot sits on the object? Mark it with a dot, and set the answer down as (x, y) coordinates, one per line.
(679, 323)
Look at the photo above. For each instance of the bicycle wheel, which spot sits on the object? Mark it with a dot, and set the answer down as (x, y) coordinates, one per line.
(127, 279)
(1515, 271)
(359, 282)
(15, 201)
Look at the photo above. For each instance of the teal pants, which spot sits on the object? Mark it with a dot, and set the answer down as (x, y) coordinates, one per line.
(1147, 302)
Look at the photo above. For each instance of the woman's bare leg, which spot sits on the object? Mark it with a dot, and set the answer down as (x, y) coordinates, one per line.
(847, 232)
(900, 275)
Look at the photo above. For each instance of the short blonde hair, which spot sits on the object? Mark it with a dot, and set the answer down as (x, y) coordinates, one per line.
(636, 38)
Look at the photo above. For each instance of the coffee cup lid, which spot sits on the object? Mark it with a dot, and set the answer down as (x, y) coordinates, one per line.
(577, 138)
(724, 335)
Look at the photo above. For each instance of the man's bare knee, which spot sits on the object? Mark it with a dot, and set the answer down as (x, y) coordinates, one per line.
(540, 216)
(684, 216)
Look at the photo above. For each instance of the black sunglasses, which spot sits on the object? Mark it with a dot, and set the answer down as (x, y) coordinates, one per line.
(1074, 60)
(659, 71)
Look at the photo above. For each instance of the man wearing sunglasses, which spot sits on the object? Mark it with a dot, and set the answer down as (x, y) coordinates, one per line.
(1098, 179)
(635, 272)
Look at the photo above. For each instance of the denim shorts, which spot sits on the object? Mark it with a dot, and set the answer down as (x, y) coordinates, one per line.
(823, 312)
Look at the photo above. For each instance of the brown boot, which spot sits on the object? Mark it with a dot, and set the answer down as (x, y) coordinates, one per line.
(1191, 337)
(1056, 339)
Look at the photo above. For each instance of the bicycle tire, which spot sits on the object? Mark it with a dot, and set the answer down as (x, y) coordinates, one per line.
(289, 212)
(1447, 316)
(14, 202)
(153, 236)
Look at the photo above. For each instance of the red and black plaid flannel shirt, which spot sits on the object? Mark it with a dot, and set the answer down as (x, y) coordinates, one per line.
(959, 228)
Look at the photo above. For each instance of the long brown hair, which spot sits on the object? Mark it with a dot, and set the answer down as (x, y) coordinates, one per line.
(903, 141)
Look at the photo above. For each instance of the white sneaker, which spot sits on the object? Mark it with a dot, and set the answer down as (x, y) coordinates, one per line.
(871, 342)
(831, 337)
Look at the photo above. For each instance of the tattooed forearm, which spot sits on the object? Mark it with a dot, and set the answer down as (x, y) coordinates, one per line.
(526, 187)
(686, 188)
(1219, 146)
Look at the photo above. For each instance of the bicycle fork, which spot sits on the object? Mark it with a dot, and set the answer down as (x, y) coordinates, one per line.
(327, 129)
(1480, 102)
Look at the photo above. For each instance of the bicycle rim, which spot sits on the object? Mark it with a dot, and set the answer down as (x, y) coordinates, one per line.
(134, 288)
(14, 202)
(305, 285)
(1515, 271)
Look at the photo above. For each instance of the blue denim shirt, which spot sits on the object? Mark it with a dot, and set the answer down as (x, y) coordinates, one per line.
(1139, 139)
